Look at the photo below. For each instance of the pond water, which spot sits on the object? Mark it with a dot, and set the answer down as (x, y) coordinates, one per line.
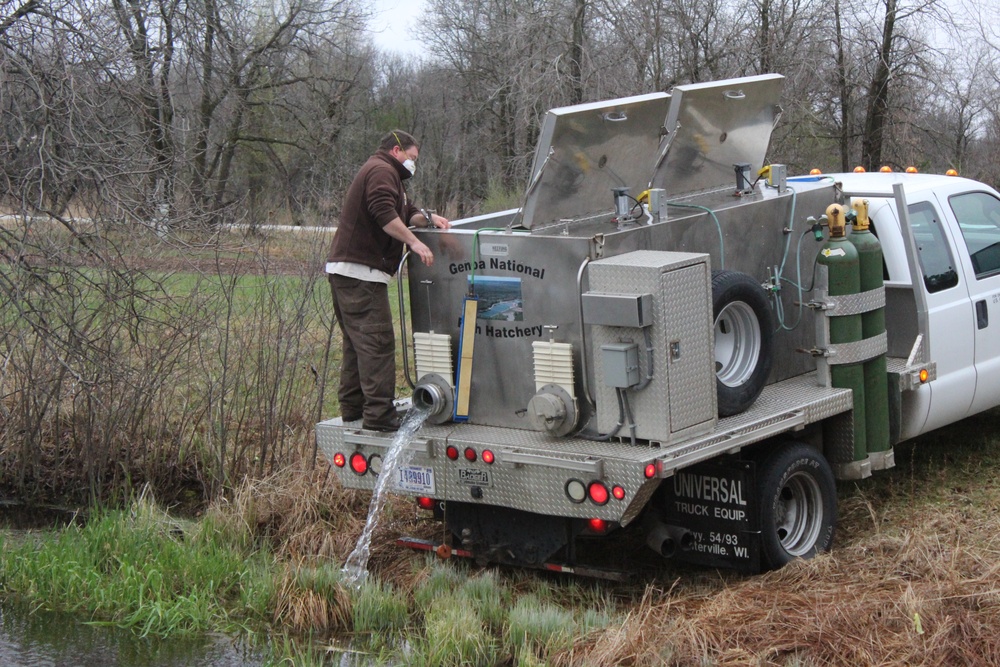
(46, 639)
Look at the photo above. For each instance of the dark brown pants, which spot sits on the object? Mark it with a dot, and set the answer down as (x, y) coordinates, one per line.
(368, 366)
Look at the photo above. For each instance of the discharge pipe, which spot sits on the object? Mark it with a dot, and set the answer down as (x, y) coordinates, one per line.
(435, 395)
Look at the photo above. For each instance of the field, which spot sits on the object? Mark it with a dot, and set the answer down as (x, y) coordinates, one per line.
(256, 530)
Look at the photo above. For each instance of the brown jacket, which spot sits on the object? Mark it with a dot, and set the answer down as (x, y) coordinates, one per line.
(375, 198)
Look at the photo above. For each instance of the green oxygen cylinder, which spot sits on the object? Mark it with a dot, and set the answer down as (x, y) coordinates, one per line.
(872, 324)
(841, 259)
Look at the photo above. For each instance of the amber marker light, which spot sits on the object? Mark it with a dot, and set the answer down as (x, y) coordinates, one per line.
(911, 170)
(924, 375)
(859, 170)
(339, 460)
(951, 172)
(815, 172)
(886, 169)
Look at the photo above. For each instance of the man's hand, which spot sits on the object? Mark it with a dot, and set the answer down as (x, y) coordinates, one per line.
(440, 222)
(398, 230)
(426, 256)
(432, 219)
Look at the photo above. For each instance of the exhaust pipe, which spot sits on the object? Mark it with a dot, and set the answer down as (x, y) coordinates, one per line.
(661, 541)
(434, 394)
(666, 540)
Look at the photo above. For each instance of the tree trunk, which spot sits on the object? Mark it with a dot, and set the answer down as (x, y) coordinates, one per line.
(878, 95)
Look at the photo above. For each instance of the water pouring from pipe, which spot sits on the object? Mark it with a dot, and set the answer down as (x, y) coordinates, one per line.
(355, 568)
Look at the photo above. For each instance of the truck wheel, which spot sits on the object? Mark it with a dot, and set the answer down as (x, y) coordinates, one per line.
(798, 504)
(743, 332)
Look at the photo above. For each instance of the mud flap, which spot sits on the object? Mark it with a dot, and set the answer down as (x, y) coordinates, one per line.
(711, 511)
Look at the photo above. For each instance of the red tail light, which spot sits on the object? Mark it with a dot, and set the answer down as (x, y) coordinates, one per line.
(470, 454)
(598, 493)
(618, 492)
(359, 464)
(488, 456)
(598, 525)
(452, 452)
(425, 503)
(650, 471)
(339, 460)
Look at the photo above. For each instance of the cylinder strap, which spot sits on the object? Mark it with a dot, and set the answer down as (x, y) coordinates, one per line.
(855, 304)
(856, 352)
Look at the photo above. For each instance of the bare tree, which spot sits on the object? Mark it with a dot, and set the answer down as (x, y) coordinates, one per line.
(897, 53)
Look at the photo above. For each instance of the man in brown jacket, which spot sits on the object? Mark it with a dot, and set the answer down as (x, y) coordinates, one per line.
(364, 255)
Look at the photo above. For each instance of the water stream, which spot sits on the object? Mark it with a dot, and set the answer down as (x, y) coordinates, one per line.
(356, 567)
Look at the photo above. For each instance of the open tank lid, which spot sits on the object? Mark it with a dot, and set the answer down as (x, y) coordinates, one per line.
(585, 150)
(713, 126)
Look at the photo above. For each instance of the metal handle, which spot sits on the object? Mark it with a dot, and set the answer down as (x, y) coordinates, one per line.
(583, 334)
(402, 320)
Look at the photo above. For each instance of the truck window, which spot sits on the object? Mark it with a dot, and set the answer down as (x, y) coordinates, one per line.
(936, 261)
(978, 215)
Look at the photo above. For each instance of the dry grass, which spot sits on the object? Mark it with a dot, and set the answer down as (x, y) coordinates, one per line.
(909, 601)
(301, 511)
(310, 599)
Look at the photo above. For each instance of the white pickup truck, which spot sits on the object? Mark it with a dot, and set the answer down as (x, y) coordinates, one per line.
(676, 360)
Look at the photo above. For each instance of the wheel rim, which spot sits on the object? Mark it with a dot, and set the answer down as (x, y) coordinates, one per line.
(798, 515)
(737, 344)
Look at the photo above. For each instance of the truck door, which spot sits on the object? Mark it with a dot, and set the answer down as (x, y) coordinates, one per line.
(978, 217)
(949, 314)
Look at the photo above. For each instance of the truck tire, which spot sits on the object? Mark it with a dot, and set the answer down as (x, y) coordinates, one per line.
(743, 335)
(798, 504)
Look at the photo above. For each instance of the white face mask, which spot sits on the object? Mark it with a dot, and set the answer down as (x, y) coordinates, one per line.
(410, 165)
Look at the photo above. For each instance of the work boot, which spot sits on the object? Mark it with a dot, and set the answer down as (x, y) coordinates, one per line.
(388, 425)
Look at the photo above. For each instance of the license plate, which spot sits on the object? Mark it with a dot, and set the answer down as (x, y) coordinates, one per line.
(416, 479)
(474, 477)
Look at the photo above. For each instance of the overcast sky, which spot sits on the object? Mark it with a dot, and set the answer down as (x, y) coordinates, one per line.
(394, 24)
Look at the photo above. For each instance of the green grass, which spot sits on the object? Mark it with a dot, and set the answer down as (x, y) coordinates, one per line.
(379, 608)
(141, 570)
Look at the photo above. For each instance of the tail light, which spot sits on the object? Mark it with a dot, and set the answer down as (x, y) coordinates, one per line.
(425, 503)
(598, 493)
(599, 526)
(359, 464)
(339, 460)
